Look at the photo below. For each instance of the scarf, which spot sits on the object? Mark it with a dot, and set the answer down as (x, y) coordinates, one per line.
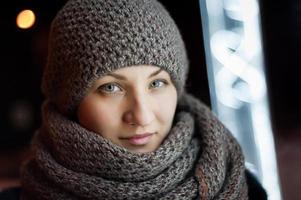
(199, 159)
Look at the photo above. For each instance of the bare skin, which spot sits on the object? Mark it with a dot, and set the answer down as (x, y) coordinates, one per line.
(133, 107)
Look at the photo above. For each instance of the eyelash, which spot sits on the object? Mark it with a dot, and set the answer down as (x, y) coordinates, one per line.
(164, 83)
(103, 88)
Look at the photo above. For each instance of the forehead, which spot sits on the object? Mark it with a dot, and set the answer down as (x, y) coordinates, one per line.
(137, 69)
(133, 74)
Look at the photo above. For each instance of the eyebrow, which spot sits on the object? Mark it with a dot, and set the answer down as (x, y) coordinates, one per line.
(120, 77)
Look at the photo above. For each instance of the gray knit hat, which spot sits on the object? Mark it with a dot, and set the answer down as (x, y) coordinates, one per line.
(91, 38)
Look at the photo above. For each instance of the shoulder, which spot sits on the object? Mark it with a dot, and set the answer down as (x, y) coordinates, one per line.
(256, 191)
(10, 194)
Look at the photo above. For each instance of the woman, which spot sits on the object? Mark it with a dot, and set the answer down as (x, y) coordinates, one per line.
(117, 123)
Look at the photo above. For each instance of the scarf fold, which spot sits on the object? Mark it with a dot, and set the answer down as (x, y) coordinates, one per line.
(198, 159)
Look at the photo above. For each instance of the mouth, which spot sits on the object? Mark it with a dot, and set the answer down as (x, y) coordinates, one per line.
(139, 139)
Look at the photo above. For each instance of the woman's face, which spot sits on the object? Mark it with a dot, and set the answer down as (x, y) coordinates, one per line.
(133, 107)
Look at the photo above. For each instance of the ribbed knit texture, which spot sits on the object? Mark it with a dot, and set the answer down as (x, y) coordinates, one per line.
(91, 38)
(198, 159)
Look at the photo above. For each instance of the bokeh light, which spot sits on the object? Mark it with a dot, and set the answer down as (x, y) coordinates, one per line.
(25, 19)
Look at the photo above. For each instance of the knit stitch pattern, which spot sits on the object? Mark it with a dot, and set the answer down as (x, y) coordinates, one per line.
(91, 38)
(199, 158)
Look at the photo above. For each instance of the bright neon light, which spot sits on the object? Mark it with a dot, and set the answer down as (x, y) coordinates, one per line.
(237, 82)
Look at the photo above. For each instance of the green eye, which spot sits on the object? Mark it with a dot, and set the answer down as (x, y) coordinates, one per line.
(158, 83)
(110, 88)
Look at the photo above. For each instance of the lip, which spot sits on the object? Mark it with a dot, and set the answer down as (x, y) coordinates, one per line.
(140, 139)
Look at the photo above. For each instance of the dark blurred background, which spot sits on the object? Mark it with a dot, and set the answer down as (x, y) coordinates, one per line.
(23, 54)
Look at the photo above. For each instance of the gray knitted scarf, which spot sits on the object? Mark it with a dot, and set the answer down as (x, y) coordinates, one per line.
(199, 159)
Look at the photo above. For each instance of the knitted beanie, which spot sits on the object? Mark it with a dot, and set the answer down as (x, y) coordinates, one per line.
(91, 38)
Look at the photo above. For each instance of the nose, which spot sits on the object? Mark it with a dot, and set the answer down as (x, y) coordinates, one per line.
(140, 111)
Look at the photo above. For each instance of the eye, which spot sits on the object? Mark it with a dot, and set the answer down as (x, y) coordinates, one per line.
(110, 88)
(158, 83)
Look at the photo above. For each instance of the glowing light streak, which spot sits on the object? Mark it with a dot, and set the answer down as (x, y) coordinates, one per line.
(237, 82)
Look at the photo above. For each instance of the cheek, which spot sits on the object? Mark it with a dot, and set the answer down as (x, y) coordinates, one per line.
(167, 106)
(97, 117)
